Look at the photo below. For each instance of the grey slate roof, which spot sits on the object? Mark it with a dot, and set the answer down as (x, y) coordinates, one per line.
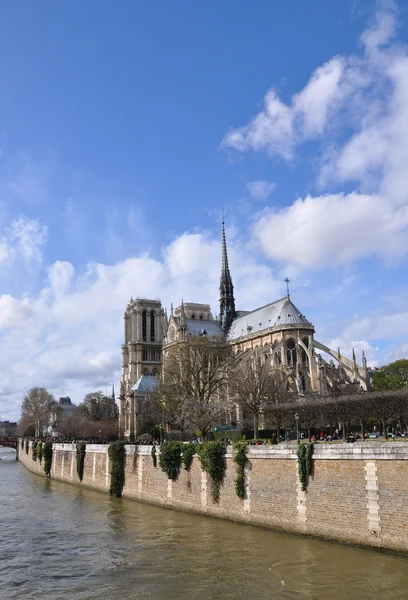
(146, 383)
(279, 313)
(196, 326)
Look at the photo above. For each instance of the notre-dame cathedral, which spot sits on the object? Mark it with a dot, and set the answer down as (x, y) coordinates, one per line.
(279, 330)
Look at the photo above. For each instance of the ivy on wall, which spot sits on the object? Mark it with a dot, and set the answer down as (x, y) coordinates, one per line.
(40, 451)
(170, 458)
(153, 455)
(212, 459)
(26, 446)
(34, 451)
(22, 443)
(47, 454)
(117, 455)
(240, 458)
(80, 459)
(305, 464)
(188, 452)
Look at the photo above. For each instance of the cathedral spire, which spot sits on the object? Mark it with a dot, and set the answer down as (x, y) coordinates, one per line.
(227, 300)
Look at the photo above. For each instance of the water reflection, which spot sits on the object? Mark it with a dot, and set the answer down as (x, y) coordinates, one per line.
(60, 541)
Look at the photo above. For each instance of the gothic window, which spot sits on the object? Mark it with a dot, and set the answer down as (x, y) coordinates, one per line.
(193, 316)
(201, 317)
(152, 331)
(278, 358)
(144, 325)
(304, 358)
(146, 372)
(291, 355)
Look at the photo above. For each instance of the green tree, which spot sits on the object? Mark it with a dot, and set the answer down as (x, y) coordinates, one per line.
(392, 377)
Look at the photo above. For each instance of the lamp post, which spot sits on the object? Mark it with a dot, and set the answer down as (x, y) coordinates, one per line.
(297, 427)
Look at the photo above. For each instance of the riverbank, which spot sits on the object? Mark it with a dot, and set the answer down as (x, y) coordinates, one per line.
(357, 493)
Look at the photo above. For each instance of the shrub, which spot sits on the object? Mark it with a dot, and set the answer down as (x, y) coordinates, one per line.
(117, 454)
(26, 446)
(240, 459)
(211, 455)
(22, 443)
(80, 459)
(170, 458)
(188, 452)
(47, 454)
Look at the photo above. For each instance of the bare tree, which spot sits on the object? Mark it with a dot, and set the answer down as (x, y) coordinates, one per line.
(36, 409)
(97, 407)
(256, 387)
(192, 392)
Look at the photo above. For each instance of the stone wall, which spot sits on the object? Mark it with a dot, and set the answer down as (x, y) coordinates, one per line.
(358, 492)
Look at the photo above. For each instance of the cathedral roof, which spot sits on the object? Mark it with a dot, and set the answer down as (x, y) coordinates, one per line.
(146, 383)
(197, 326)
(279, 313)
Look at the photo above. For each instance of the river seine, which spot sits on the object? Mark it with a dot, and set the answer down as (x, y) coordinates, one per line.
(59, 541)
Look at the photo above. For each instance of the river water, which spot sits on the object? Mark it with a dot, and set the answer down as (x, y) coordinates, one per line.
(59, 541)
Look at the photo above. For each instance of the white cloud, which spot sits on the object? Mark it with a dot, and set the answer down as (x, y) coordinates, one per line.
(260, 189)
(341, 91)
(72, 329)
(271, 130)
(23, 239)
(329, 230)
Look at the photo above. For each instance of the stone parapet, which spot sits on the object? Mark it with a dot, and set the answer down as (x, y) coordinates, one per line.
(357, 493)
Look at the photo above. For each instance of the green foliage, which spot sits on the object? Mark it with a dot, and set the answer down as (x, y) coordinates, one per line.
(301, 453)
(47, 454)
(80, 459)
(117, 455)
(309, 459)
(240, 459)
(152, 428)
(26, 446)
(305, 463)
(153, 455)
(135, 458)
(211, 455)
(22, 443)
(40, 451)
(34, 451)
(188, 452)
(170, 458)
(392, 377)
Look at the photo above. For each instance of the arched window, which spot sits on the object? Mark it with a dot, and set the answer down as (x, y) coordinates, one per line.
(152, 330)
(201, 317)
(144, 354)
(193, 316)
(278, 358)
(144, 325)
(291, 354)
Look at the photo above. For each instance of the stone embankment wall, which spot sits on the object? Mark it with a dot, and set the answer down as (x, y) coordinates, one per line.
(358, 492)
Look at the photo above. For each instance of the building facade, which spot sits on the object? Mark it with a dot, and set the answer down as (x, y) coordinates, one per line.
(279, 330)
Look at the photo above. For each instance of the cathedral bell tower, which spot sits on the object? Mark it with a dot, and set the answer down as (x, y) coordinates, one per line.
(227, 301)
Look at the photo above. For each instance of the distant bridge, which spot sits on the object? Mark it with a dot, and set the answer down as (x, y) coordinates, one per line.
(9, 442)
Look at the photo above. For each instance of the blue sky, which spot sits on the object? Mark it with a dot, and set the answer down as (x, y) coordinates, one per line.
(126, 127)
